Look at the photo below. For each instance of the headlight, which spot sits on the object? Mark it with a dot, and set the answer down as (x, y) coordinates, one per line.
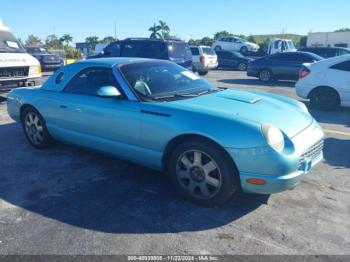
(274, 137)
(34, 70)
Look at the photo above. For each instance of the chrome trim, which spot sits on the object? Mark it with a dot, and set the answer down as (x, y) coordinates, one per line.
(123, 85)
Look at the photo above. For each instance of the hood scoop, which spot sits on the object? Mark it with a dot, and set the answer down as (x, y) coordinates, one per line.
(248, 98)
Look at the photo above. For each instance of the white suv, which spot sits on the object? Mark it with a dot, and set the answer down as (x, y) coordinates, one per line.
(237, 44)
(326, 83)
(204, 58)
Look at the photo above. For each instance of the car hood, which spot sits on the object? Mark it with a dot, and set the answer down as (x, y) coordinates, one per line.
(284, 113)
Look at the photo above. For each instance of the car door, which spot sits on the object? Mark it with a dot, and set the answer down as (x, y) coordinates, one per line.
(340, 79)
(110, 125)
(290, 64)
(224, 58)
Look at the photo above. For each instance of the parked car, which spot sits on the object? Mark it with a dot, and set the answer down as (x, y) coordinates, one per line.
(235, 44)
(280, 66)
(326, 83)
(48, 61)
(173, 50)
(204, 58)
(327, 52)
(211, 141)
(233, 60)
(16, 65)
(280, 46)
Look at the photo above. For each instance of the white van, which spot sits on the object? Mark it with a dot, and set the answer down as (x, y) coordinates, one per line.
(280, 46)
(16, 65)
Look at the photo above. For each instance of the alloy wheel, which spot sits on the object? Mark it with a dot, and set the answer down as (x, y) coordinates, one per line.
(34, 128)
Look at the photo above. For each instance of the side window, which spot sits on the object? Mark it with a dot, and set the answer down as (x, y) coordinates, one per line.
(344, 66)
(59, 78)
(88, 81)
(194, 51)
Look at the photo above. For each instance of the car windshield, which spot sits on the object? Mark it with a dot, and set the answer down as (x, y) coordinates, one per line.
(208, 51)
(9, 43)
(290, 45)
(36, 50)
(158, 80)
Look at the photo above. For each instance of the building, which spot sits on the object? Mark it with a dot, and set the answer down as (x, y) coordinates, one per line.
(331, 39)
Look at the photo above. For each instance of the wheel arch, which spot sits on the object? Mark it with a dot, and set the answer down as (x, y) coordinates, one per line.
(187, 137)
(24, 107)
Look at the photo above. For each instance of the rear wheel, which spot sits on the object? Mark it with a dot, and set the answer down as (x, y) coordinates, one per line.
(324, 98)
(35, 129)
(203, 173)
(242, 66)
(265, 75)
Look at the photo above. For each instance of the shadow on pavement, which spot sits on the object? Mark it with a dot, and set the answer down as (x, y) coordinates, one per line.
(96, 192)
(337, 152)
(256, 82)
(341, 116)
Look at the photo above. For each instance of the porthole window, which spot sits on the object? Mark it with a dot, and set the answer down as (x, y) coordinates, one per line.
(59, 78)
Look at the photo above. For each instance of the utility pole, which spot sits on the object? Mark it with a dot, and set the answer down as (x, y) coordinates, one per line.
(115, 29)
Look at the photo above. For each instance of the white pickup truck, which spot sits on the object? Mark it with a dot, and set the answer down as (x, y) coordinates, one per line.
(16, 65)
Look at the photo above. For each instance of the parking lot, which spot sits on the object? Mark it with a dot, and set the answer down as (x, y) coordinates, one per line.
(67, 200)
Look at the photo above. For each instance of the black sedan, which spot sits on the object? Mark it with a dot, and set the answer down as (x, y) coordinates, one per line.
(48, 61)
(232, 60)
(327, 52)
(281, 66)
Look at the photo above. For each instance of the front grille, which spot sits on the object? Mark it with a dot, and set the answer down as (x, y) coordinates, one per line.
(51, 59)
(312, 153)
(14, 72)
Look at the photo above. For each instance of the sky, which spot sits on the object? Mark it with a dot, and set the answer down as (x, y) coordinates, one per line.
(186, 18)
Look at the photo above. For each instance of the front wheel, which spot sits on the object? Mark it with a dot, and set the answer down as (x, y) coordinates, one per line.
(35, 129)
(265, 75)
(203, 73)
(203, 173)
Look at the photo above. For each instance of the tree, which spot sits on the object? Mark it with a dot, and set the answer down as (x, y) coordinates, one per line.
(251, 39)
(66, 38)
(222, 34)
(164, 29)
(154, 31)
(33, 40)
(108, 39)
(343, 30)
(52, 42)
(92, 41)
(207, 41)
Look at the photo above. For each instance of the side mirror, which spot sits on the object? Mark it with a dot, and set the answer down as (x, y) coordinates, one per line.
(108, 91)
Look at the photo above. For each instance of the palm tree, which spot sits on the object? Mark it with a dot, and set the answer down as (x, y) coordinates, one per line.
(92, 41)
(33, 40)
(155, 31)
(66, 38)
(164, 29)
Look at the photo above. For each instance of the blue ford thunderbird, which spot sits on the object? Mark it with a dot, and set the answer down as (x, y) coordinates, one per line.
(212, 142)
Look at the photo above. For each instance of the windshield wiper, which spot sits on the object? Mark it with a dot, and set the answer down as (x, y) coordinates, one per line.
(174, 96)
(208, 91)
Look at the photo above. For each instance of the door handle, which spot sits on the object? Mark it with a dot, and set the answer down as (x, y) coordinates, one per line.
(63, 106)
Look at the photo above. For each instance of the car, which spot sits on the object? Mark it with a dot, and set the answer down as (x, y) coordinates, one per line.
(204, 58)
(327, 52)
(233, 60)
(173, 50)
(232, 43)
(280, 46)
(16, 65)
(326, 83)
(211, 141)
(48, 61)
(280, 66)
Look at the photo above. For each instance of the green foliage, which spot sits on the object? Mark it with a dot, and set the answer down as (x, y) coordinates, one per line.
(221, 34)
(251, 39)
(92, 41)
(72, 53)
(108, 39)
(160, 30)
(154, 31)
(52, 42)
(343, 30)
(66, 38)
(33, 40)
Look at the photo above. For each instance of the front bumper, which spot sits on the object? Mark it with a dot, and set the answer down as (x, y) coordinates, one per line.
(51, 67)
(280, 170)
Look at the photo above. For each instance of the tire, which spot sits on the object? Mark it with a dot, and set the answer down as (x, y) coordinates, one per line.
(265, 75)
(203, 73)
(242, 67)
(218, 48)
(203, 173)
(35, 129)
(324, 98)
(244, 50)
